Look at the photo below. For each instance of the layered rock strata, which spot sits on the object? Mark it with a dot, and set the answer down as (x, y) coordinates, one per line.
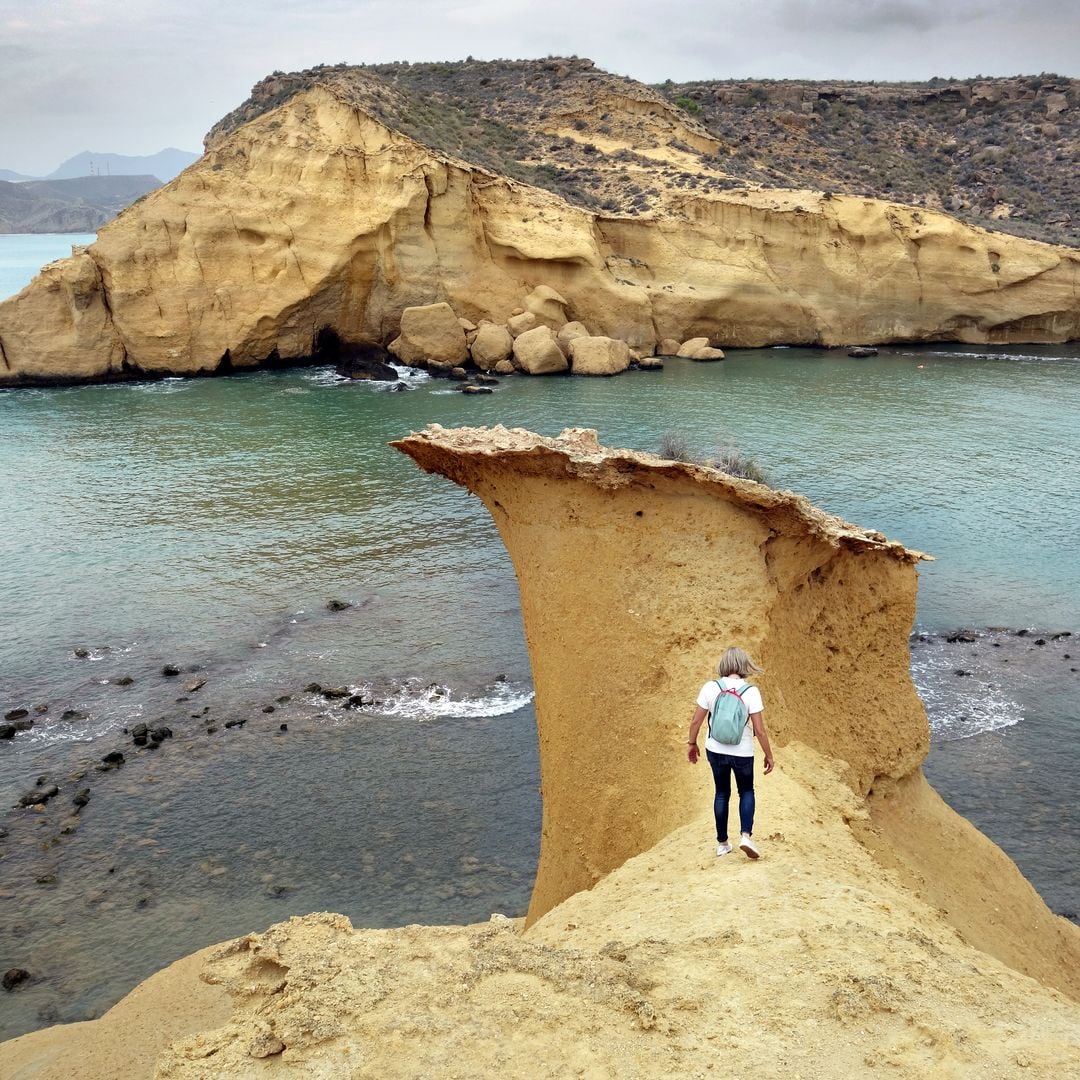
(314, 216)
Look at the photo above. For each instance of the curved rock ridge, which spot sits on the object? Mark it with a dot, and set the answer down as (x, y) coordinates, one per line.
(879, 932)
(315, 215)
(635, 573)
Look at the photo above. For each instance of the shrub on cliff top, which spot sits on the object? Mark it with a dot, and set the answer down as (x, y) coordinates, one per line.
(728, 458)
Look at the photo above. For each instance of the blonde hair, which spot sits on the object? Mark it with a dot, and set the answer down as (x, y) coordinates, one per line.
(736, 661)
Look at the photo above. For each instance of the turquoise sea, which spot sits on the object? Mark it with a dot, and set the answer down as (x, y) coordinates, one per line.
(206, 524)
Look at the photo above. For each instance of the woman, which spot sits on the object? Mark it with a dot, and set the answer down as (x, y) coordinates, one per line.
(736, 757)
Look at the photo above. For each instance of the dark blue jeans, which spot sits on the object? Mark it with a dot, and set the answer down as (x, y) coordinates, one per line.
(723, 765)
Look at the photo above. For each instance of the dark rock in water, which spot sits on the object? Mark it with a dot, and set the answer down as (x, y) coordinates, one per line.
(276, 892)
(313, 688)
(650, 363)
(459, 374)
(210, 729)
(72, 714)
(356, 701)
(269, 709)
(45, 879)
(16, 714)
(82, 797)
(42, 708)
(124, 680)
(331, 692)
(14, 977)
(861, 352)
(284, 699)
(477, 390)
(170, 670)
(198, 684)
(161, 733)
(141, 740)
(1022, 633)
(967, 636)
(235, 723)
(42, 780)
(1063, 634)
(1041, 641)
(961, 671)
(487, 380)
(82, 654)
(114, 757)
(283, 727)
(337, 605)
(7, 731)
(353, 359)
(39, 795)
(140, 730)
(152, 745)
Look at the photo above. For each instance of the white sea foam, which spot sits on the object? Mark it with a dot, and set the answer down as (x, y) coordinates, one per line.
(411, 376)
(323, 376)
(960, 706)
(416, 700)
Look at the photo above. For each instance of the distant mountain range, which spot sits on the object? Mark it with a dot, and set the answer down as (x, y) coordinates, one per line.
(85, 191)
(165, 164)
(82, 204)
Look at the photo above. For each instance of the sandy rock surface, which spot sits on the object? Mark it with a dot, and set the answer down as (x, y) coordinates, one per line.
(536, 352)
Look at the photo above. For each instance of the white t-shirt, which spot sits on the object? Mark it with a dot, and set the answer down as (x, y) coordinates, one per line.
(752, 701)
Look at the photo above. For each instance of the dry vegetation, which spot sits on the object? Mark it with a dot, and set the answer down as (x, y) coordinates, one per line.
(995, 152)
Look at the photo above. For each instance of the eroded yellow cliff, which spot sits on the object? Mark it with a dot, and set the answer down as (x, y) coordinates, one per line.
(315, 215)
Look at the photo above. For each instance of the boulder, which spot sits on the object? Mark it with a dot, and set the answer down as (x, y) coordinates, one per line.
(536, 352)
(430, 334)
(16, 714)
(568, 333)
(471, 389)
(466, 325)
(650, 363)
(598, 356)
(459, 374)
(668, 347)
(491, 344)
(548, 306)
(706, 352)
(699, 349)
(504, 367)
(522, 324)
(7, 731)
(861, 352)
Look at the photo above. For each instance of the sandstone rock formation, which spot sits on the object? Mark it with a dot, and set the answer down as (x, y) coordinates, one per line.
(598, 356)
(537, 353)
(491, 344)
(314, 216)
(807, 593)
(854, 947)
(430, 334)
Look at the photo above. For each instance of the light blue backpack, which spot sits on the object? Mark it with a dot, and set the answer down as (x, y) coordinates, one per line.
(729, 715)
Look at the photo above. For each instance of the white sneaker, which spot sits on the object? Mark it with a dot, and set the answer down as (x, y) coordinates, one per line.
(723, 849)
(747, 845)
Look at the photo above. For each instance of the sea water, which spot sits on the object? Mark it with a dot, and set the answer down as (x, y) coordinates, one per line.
(206, 524)
(22, 255)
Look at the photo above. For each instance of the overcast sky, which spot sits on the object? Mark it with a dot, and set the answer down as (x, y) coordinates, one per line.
(134, 76)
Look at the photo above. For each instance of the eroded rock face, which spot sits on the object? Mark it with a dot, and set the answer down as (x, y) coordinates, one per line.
(687, 561)
(315, 216)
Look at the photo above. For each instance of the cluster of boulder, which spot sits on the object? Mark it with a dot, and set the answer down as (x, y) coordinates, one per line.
(538, 339)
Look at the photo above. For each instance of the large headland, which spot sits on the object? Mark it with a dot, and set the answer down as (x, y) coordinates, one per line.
(881, 933)
(336, 199)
